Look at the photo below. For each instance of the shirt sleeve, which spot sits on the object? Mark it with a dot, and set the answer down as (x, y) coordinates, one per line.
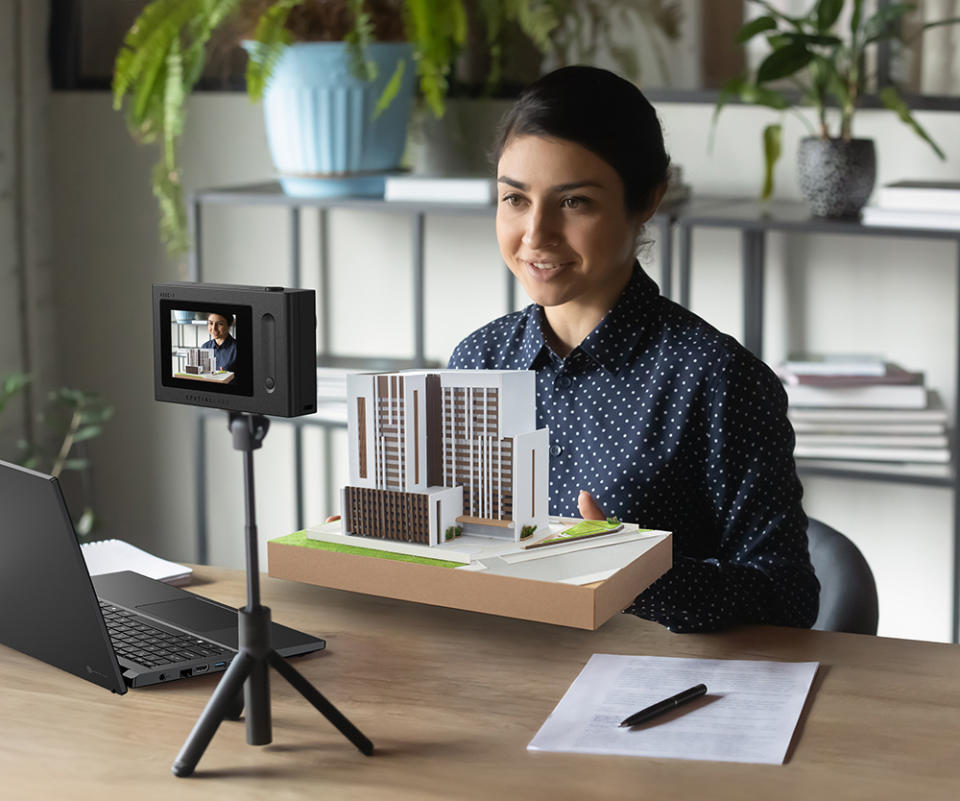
(761, 572)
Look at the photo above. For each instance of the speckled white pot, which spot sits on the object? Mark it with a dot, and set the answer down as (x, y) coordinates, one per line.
(836, 177)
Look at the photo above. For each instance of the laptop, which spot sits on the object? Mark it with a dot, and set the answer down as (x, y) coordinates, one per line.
(117, 630)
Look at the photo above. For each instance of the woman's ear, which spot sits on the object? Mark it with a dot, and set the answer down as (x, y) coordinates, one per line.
(655, 197)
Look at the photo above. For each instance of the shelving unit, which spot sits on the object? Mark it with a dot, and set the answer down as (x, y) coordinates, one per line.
(750, 218)
(754, 221)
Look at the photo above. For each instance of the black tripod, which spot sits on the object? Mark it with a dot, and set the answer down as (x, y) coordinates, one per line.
(249, 668)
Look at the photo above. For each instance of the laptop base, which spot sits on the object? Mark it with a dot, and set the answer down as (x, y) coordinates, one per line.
(250, 667)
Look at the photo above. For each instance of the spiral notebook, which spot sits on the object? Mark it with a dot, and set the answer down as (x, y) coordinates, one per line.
(111, 556)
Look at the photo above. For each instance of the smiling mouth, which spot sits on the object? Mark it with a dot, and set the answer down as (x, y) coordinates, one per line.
(545, 266)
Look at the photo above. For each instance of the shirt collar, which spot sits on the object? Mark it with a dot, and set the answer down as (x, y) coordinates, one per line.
(613, 341)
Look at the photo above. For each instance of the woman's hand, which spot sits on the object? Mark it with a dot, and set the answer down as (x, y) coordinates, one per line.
(588, 507)
(332, 518)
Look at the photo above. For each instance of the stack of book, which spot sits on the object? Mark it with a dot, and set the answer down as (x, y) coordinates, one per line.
(916, 204)
(864, 413)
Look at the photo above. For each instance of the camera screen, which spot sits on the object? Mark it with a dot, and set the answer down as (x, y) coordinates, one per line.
(208, 347)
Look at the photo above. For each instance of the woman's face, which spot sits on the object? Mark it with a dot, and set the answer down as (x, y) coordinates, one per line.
(562, 223)
(217, 326)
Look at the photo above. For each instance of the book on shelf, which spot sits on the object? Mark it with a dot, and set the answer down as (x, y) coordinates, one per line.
(874, 440)
(893, 374)
(835, 364)
(888, 396)
(938, 196)
(440, 189)
(933, 413)
(885, 428)
(879, 469)
(932, 455)
(909, 218)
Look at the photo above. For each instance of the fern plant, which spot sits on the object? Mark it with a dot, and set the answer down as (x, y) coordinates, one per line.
(163, 55)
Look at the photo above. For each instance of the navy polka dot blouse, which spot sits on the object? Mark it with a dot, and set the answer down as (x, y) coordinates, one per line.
(673, 425)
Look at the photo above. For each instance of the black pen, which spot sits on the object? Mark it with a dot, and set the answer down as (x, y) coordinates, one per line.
(665, 706)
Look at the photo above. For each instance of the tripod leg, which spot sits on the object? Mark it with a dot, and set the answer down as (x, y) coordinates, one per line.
(328, 710)
(223, 698)
(235, 710)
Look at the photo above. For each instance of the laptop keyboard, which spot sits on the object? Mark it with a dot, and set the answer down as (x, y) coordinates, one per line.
(135, 639)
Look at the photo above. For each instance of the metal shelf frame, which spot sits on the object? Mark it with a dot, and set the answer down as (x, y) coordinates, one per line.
(754, 221)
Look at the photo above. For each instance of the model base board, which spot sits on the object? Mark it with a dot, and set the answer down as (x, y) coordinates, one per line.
(578, 584)
(576, 560)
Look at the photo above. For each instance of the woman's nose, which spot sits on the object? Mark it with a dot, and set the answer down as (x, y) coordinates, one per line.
(539, 230)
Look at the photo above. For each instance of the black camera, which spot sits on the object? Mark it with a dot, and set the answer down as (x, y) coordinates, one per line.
(239, 348)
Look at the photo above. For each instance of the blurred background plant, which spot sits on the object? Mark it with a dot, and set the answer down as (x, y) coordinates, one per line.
(821, 59)
(468, 48)
(69, 420)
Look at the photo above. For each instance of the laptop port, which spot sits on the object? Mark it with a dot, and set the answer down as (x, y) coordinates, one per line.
(200, 668)
(220, 664)
(186, 673)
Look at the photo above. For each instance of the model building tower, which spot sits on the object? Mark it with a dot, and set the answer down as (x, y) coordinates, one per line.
(434, 451)
(199, 361)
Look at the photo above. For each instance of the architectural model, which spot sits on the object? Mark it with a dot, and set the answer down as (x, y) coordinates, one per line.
(199, 361)
(439, 453)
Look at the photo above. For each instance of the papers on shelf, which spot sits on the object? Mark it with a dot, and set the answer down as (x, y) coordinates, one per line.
(749, 713)
(112, 556)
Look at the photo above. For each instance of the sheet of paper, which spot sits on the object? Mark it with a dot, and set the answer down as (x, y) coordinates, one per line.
(749, 713)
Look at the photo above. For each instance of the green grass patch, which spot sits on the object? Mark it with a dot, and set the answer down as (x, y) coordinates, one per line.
(300, 539)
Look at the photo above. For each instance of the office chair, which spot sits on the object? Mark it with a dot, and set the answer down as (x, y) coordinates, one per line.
(848, 593)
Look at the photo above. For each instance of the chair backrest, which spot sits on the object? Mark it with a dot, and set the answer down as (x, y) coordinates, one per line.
(848, 592)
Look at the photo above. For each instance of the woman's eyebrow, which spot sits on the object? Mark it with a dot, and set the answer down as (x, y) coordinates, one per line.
(503, 179)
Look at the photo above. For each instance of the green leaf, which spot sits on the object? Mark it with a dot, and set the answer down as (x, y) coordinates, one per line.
(772, 147)
(784, 62)
(824, 40)
(15, 382)
(828, 11)
(391, 89)
(939, 22)
(87, 432)
(855, 17)
(755, 26)
(892, 100)
(731, 89)
(884, 24)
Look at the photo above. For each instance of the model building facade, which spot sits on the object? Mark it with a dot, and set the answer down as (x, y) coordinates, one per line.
(436, 452)
(199, 361)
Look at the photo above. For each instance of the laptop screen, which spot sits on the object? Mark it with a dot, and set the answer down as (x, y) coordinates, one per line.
(48, 608)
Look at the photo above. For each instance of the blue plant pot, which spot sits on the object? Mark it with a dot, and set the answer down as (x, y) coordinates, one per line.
(321, 129)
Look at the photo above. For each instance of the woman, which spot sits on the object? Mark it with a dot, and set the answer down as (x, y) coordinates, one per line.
(654, 415)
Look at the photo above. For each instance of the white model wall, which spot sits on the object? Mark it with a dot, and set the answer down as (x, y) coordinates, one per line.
(888, 295)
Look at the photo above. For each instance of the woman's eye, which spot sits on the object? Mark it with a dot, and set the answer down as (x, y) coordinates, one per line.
(511, 200)
(574, 202)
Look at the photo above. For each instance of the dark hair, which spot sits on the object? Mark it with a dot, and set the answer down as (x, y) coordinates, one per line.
(601, 112)
(225, 315)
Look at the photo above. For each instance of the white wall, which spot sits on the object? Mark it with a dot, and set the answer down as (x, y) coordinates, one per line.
(898, 297)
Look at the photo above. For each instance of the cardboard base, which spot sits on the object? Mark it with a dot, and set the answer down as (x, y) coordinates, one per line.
(583, 607)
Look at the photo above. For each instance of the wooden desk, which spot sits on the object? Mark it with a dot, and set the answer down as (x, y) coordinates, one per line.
(451, 700)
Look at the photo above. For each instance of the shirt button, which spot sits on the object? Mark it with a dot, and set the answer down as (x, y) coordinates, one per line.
(555, 450)
(564, 381)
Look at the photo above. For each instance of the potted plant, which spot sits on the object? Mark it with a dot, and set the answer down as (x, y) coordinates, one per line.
(826, 61)
(503, 52)
(377, 46)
